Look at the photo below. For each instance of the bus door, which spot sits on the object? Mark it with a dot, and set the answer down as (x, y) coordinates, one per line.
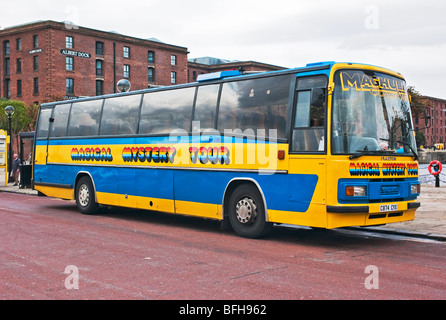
(307, 166)
(55, 146)
(41, 143)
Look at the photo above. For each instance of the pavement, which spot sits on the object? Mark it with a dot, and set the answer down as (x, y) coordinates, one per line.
(429, 222)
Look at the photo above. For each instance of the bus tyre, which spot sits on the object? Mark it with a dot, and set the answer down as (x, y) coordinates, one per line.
(85, 198)
(247, 212)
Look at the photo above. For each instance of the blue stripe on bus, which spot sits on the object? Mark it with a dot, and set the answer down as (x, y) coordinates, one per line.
(148, 140)
(189, 185)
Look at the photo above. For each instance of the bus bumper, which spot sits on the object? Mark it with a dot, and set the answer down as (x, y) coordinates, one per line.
(369, 215)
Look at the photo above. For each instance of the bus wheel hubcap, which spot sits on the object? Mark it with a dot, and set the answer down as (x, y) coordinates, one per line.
(246, 210)
(84, 195)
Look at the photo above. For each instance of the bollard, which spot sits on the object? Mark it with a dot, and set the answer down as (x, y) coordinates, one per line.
(435, 169)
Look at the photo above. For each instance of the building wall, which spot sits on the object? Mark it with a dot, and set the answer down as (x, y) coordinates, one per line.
(52, 72)
(52, 52)
(436, 132)
(27, 74)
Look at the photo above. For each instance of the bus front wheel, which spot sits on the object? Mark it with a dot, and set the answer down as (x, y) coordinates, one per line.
(247, 212)
(85, 197)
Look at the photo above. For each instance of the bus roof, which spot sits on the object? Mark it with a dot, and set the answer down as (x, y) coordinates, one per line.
(217, 77)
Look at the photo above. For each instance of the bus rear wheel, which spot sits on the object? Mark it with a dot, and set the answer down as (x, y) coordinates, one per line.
(85, 197)
(247, 212)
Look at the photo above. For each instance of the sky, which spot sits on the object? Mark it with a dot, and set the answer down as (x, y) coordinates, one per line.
(407, 36)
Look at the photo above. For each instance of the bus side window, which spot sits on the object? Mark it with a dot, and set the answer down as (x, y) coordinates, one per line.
(120, 115)
(205, 105)
(309, 115)
(58, 127)
(84, 118)
(255, 106)
(44, 123)
(164, 111)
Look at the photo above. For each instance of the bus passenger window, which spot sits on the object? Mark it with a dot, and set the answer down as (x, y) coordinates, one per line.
(302, 118)
(309, 116)
(257, 106)
(205, 105)
(58, 127)
(43, 123)
(165, 111)
(84, 118)
(120, 115)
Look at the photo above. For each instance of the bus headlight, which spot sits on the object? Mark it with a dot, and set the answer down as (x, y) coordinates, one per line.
(415, 188)
(356, 191)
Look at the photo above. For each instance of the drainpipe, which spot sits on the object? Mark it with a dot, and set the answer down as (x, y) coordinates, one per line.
(114, 67)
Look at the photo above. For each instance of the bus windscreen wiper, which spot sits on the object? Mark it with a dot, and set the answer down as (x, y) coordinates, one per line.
(415, 155)
(369, 152)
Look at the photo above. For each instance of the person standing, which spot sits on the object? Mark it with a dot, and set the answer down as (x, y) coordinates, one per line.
(15, 172)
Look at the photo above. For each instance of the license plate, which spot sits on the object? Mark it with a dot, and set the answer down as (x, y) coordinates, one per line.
(388, 207)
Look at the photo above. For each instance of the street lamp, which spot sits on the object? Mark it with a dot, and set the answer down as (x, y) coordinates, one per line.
(9, 110)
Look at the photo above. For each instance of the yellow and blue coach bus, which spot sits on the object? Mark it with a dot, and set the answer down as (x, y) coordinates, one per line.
(326, 145)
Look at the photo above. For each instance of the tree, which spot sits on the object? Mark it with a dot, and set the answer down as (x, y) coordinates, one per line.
(23, 119)
(420, 139)
(418, 103)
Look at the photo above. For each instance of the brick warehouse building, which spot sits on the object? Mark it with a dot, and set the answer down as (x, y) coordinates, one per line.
(436, 131)
(197, 66)
(48, 60)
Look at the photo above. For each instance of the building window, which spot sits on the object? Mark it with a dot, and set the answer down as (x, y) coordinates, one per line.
(151, 57)
(36, 63)
(151, 75)
(19, 66)
(99, 69)
(173, 77)
(19, 44)
(6, 47)
(99, 87)
(19, 88)
(99, 48)
(173, 60)
(7, 67)
(35, 41)
(126, 52)
(126, 71)
(36, 86)
(70, 86)
(8, 88)
(69, 42)
(69, 63)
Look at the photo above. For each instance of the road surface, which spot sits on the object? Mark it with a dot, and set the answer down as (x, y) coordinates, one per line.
(51, 251)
